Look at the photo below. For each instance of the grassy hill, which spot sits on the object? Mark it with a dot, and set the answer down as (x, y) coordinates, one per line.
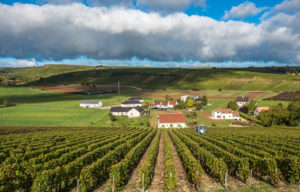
(252, 79)
(27, 74)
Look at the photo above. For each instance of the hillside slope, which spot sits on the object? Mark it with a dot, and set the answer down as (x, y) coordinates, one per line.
(252, 79)
(162, 78)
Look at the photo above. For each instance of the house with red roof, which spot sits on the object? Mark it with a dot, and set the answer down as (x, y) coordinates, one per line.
(158, 104)
(225, 114)
(260, 109)
(174, 120)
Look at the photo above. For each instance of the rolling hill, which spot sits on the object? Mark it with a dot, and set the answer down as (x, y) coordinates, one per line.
(252, 79)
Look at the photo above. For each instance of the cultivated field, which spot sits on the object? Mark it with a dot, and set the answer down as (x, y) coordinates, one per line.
(64, 159)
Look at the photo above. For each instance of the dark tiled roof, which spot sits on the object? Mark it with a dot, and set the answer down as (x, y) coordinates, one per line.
(134, 99)
(242, 99)
(125, 109)
(132, 102)
(89, 102)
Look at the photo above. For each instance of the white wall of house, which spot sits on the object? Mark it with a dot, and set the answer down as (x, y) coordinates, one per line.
(256, 113)
(184, 98)
(219, 115)
(241, 104)
(133, 113)
(171, 125)
(131, 105)
(83, 105)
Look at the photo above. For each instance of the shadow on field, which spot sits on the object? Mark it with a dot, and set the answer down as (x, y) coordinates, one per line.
(55, 97)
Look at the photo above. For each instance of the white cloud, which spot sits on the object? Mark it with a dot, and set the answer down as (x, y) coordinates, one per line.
(170, 5)
(68, 31)
(17, 63)
(288, 6)
(242, 11)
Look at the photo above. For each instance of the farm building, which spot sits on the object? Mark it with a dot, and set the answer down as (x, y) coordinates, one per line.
(224, 114)
(174, 120)
(127, 111)
(157, 104)
(194, 97)
(136, 99)
(260, 109)
(133, 103)
(90, 104)
(241, 101)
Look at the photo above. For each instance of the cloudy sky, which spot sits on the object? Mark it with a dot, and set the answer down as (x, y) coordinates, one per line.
(167, 33)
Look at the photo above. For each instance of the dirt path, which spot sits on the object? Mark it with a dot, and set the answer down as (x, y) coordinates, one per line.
(182, 182)
(133, 183)
(157, 184)
(208, 184)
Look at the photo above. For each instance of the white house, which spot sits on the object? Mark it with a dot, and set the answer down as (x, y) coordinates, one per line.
(136, 99)
(90, 104)
(174, 120)
(157, 104)
(194, 97)
(132, 103)
(241, 101)
(224, 114)
(260, 109)
(127, 111)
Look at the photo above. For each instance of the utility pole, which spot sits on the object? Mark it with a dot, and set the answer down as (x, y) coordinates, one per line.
(118, 90)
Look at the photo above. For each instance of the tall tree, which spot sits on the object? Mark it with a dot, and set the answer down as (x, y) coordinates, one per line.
(204, 100)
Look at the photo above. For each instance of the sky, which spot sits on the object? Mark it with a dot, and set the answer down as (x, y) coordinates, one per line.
(152, 33)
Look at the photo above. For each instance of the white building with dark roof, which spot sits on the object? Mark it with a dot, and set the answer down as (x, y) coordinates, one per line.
(127, 111)
(225, 114)
(241, 101)
(136, 99)
(90, 104)
(133, 103)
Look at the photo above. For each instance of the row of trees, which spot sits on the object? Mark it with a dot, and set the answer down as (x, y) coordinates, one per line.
(191, 103)
(247, 109)
(280, 115)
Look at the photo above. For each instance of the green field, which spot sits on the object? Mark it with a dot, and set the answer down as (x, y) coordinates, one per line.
(40, 108)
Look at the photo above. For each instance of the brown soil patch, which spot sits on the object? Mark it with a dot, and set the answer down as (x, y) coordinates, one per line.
(286, 96)
(206, 116)
(218, 97)
(173, 94)
(133, 183)
(253, 95)
(182, 182)
(75, 88)
(157, 184)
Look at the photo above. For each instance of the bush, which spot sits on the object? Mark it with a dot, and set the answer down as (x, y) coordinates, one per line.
(220, 89)
(112, 117)
(232, 105)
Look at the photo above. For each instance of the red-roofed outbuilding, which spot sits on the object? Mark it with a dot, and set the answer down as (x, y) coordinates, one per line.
(174, 120)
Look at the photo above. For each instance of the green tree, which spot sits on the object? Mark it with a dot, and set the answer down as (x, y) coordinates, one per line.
(190, 102)
(232, 105)
(112, 117)
(204, 100)
(220, 89)
(199, 106)
(167, 97)
(5, 102)
(251, 107)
